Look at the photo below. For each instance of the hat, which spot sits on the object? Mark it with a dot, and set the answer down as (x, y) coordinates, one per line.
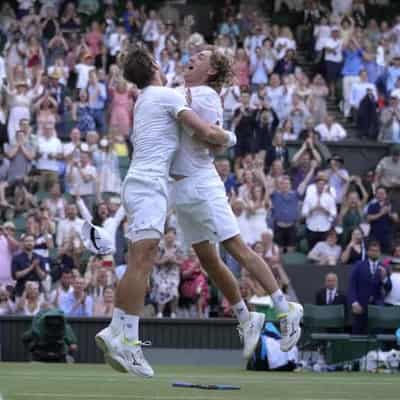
(115, 200)
(321, 176)
(336, 157)
(9, 224)
(96, 239)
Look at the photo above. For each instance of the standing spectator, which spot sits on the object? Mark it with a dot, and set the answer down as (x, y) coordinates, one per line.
(331, 131)
(390, 122)
(77, 303)
(330, 294)
(82, 114)
(258, 69)
(166, 275)
(277, 151)
(381, 216)
(55, 204)
(326, 252)
(70, 227)
(317, 100)
(97, 93)
(285, 214)
(369, 283)
(319, 210)
(333, 59)
(241, 67)
(368, 117)
(150, 30)
(8, 247)
(82, 178)
(49, 151)
(27, 265)
(355, 250)
(230, 96)
(338, 177)
(83, 70)
(388, 175)
(393, 297)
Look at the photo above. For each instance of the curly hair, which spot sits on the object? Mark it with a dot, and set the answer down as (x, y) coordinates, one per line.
(137, 66)
(223, 65)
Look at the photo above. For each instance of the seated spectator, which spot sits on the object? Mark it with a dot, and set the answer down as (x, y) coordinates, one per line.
(393, 296)
(166, 274)
(8, 247)
(330, 294)
(27, 266)
(381, 216)
(72, 148)
(7, 307)
(369, 284)
(326, 252)
(102, 277)
(331, 131)
(277, 151)
(70, 227)
(63, 288)
(228, 178)
(104, 306)
(355, 250)
(77, 303)
(55, 203)
(31, 301)
(194, 286)
(319, 210)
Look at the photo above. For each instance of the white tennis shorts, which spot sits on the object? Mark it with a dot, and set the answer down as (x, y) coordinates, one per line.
(145, 201)
(203, 211)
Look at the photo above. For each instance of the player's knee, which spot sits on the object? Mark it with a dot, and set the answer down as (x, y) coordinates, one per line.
(144, 254)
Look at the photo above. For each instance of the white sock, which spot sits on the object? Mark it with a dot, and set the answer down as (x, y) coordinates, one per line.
(280, 303)
(117, 321)
(241, 312)
(131, 327)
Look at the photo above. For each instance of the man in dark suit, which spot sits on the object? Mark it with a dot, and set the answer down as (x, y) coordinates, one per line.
(369, 284)
(330, 294)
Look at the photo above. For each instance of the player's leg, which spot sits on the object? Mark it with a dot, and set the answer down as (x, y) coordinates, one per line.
(250, 324)
(289, 314)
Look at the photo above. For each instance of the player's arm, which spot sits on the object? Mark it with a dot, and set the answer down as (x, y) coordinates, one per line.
(203, 131)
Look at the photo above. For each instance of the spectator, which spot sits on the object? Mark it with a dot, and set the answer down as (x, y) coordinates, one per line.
(330, 294)
(8, 247)
(369, 283)
(388, 175)
(390, 122)
(285, 214)
(381, 217)
(319, 210)
(228, 178)
(77, 303)
(317, 99)
(55, 203)
(27, 265)
(49, 151)
(97, 97)
(355, 251)
(166, 275)
(7, 306)
(31, 301)
(194, 286)
(330, 130)
(105, 307)
(338, 177)
(70, 227)
(82, 178)
(82, 114)
(393, 297)
(268, 249)
(326, 252)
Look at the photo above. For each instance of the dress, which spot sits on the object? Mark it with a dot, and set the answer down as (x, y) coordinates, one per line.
(317, 103)
(19, 109)
(165, 280)
(121, 111)
(258, 224)
(86, 121)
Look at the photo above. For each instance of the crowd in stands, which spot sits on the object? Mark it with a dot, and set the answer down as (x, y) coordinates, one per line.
(66, 114)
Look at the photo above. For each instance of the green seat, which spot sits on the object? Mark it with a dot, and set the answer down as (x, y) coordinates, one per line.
(321, 318)
(383, 318)
(20, 224)
(294, 258)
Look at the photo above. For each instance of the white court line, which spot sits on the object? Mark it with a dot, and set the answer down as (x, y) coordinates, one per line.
(113, 396)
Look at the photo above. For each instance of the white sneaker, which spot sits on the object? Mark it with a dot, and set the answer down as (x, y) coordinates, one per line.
(105, 341)
(290, 326)
(130, 356)
(250, 333)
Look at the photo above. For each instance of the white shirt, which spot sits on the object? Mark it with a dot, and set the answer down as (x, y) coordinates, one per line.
(150, 30)
(319, 221)
(358, 92)
(341, 7)
(252, 42)
(285, 44)
(393, 297)
(115, 42)
(83, 75)
(333, 134)
(46, 147)
(193, 157)
(275, 96)
(3, 73)
(229, 101)
(321, 33)
(337, 46)
(156, 132)
(78, 185)
(68, 228)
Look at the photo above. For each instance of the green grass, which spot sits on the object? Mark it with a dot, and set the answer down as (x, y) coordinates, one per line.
(52, 382)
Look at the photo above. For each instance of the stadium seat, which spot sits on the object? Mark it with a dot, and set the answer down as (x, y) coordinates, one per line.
(381, 319)
(294, 258)
(20, 225)
(321, 318)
